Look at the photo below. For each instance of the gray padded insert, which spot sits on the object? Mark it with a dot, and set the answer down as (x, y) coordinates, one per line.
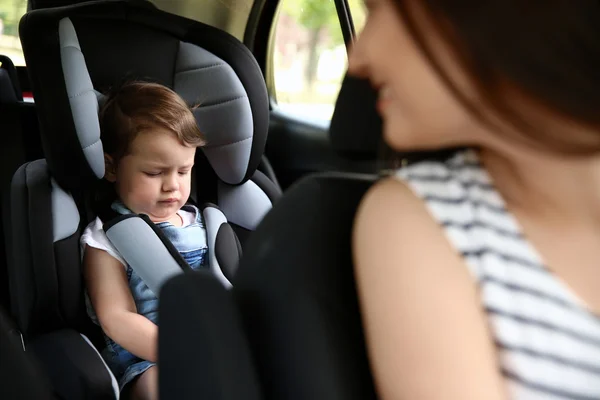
(214, 218)
(82, 97)
(144, 252)
(65, 215)
(245, 205)
(224, 114)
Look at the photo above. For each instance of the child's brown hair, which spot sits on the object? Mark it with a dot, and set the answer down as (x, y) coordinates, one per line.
(137, 106)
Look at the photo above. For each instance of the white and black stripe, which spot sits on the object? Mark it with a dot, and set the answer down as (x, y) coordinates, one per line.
(548, 341)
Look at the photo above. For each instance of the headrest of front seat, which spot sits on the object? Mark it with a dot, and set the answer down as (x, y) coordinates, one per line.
(355, 130)
(71, 65)
(10, 91)
(7, 91)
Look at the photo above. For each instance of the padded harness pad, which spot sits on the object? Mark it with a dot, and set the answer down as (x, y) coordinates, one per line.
(139, 244)
(154, 258)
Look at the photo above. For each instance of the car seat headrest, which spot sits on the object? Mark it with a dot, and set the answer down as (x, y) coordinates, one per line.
(7, 91)
(355, 130)
(205, 66)
(10, 90)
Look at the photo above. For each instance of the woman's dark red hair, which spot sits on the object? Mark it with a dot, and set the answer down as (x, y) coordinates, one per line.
(545, 52)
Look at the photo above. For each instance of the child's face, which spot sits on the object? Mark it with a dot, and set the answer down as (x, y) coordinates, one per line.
(155, 177)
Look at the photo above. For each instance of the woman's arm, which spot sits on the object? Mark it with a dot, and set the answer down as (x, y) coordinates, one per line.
(111, 297)
(426, 330)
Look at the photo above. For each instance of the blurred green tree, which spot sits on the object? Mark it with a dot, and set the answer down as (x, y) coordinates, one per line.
(11, 12)
(320, 19)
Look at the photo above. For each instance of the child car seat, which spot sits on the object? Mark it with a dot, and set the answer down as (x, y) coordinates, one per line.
(69, 64)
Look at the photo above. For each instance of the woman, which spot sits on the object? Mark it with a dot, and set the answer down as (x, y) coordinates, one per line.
(479, 276)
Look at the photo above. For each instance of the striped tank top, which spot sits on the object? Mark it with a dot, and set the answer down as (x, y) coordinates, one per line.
(547, 340)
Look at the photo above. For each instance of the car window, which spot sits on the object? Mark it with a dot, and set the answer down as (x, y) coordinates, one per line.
(309, 57)
(11, 12)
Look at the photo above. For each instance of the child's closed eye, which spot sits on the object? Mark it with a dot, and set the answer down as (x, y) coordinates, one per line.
(148, 173)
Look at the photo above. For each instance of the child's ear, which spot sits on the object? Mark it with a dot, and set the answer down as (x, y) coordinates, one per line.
(110, 169)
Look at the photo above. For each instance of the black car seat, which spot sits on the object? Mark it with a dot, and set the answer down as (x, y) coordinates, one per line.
(20, 143)
(69, 64)
(203, 351)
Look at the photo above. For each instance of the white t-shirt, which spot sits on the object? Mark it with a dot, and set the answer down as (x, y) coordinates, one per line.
(94, 236)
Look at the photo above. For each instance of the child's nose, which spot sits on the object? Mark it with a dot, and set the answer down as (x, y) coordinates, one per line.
(171, 183)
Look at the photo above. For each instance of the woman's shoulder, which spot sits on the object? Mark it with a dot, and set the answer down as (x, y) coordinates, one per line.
(410, 280)
(428, 205)
(395, 230)
(392, 206)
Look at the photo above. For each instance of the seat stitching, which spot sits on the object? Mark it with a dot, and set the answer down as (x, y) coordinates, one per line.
(201, 68)
(227, 144)
(90, 145)
(223, 102)
(70, 45)
(81, 93)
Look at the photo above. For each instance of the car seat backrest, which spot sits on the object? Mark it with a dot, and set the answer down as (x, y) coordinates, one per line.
(12, 155)
(20, 143)
(69, 67)
(204, 65)
(203, 351)
(296, 293)
(46, 288)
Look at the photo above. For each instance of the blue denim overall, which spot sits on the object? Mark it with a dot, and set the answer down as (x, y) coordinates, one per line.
(191, 243)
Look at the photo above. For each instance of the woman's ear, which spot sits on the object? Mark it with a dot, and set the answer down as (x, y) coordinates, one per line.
(110, 169)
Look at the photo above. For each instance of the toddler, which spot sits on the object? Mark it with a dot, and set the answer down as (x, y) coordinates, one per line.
(150, 138)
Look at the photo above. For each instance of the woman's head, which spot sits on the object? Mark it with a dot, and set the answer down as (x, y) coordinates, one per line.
(150, 136)
(472, 72)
